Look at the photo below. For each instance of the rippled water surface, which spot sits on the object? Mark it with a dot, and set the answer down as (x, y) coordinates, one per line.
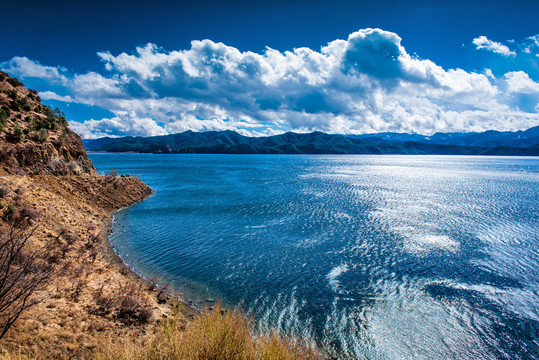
(375, 257)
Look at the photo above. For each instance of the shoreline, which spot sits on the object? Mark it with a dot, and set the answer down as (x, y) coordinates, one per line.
(114, 259)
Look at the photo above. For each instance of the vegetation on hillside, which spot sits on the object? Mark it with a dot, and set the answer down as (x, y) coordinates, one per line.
(34, 137)
(44, 118)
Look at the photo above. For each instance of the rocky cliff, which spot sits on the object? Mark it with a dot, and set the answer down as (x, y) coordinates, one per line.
(34, 138)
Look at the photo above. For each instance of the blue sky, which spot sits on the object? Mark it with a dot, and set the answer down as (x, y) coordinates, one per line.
(265, 67)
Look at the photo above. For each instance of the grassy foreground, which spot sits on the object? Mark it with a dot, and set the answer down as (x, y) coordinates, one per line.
(217, 334)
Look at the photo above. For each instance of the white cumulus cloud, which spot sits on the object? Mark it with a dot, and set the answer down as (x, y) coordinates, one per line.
(520, 82)
(482, 42)
(365, 83)
(24, 67)
(50, 95)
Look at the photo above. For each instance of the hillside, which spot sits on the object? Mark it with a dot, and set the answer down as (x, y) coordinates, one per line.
(50, 190)
(229, 142)
(35, 138)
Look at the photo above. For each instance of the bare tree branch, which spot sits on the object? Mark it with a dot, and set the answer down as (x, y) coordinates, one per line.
(23, 271)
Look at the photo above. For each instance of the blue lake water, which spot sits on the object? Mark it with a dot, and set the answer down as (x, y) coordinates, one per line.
(374, 257)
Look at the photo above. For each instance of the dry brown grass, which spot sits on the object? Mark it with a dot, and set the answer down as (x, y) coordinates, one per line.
(214, 335)
(68, 322)
(14, 356)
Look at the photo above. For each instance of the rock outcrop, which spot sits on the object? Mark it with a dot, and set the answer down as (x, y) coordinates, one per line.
(34, 138)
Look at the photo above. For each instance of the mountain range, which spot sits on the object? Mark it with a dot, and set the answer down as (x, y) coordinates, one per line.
(521, 143)
(489, 138)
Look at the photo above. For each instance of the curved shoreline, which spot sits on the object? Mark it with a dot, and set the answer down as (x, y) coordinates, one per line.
(115, 259)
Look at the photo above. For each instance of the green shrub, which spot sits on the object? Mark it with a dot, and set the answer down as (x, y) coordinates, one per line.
(12, 94)
(4, 115)
(6, 110)
(18, 104)
(11, 209)
(32, 94)
(18, 133)
(14, 82)
(55, 119)
(3, 76)
(48, 124)
(41, 135)
(25, 105)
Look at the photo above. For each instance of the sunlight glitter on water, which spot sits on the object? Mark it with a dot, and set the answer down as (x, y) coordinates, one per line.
(374, 257)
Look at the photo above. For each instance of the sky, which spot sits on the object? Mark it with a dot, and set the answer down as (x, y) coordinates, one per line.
(145, 68)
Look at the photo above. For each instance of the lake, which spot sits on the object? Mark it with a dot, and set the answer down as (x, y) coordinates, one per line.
(372, 257)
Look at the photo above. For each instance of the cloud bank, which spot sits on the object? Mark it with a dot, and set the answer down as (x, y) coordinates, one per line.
(366, 83)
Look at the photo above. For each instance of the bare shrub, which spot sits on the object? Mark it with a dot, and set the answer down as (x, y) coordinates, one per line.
(90, 226)
(22, 273)
(92, 255)
(91, 241)
(112, 173)
(28, 215)
(145, 315)
(65, 269)
(18, 171)
(31, 213)
(125, 305)
(69, 237)
(4, 191)
(162, 294)
(77, 287)
(128, 307)
(53, 258)
(152, 283)
(99, 291)
(64, 249)
(79, 271)
(45, 186)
